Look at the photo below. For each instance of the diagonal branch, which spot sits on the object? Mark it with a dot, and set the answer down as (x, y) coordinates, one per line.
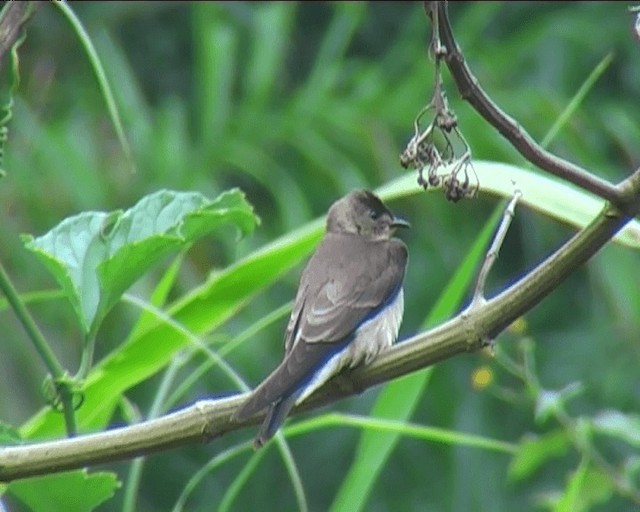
(470, 90)
(209, 419)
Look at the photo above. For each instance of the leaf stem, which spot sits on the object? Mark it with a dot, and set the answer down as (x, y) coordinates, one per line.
(86, 359)
(59, 374)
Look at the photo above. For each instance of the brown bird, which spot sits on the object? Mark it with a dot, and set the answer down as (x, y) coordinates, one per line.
(348, 307)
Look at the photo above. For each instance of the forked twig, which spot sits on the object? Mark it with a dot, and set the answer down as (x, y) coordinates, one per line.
(509, 213)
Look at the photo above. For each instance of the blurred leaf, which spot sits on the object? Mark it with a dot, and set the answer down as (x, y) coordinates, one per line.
(75, 491)
(577, 100)
(9, 434)
(551, 196)
(424, 433)
(550, 403)
(586, 488)
(272, 28)
(103, 81)
(631, 471)
(625, 427)
(96, 256)
(159, 296)
(533, 452)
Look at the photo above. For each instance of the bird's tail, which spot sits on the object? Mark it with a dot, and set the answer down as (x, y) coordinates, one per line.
(275, 417)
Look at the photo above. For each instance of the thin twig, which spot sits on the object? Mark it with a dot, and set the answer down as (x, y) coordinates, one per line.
(470, 90)
(492, 254)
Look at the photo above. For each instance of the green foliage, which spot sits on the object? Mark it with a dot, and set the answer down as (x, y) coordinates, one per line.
(202, 310)
(296, 104)
(534, 451)
(75, 491)
(96, 256)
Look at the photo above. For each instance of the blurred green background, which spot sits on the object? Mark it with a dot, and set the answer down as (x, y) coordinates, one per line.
(297, 104)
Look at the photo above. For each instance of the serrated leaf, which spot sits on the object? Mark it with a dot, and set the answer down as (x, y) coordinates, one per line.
(97, 256)
(204, 309)
(74, 491)
(533, 452)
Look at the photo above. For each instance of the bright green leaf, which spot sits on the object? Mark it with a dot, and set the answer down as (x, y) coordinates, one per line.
(549, 195)
(75, 491)
(586, 487)
(96, 256)
(533, 452)
(202, 310)
(9, 434)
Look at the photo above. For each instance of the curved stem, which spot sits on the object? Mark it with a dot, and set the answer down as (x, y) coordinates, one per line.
(57, 371)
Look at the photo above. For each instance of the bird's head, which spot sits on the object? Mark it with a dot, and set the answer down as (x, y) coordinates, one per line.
(363, 213)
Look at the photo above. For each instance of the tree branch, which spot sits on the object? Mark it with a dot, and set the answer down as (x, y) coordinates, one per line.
(470, 90)
(209, 419)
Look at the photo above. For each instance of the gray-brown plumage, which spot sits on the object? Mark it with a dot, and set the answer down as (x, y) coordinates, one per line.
(348, 307)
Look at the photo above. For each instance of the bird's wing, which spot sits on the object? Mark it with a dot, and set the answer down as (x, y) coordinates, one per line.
(354, 286)
(338, 290)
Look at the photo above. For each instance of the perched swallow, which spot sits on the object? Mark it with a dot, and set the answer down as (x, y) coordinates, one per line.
(348, 307)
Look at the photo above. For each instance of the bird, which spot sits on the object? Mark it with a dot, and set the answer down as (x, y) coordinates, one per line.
(348, 307)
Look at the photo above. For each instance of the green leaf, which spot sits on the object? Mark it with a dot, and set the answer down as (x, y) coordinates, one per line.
(208, 306)
(533, 452)
(9, 435)
(97, 256)
(101, 77)
(549, 195)
(202, 310)
(587, 487)
(424, 433)
(75, 491)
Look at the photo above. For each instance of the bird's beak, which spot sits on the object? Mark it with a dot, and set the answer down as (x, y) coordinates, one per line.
(399, 222)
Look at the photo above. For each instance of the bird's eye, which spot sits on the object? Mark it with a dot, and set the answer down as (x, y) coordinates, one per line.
(374, 214)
